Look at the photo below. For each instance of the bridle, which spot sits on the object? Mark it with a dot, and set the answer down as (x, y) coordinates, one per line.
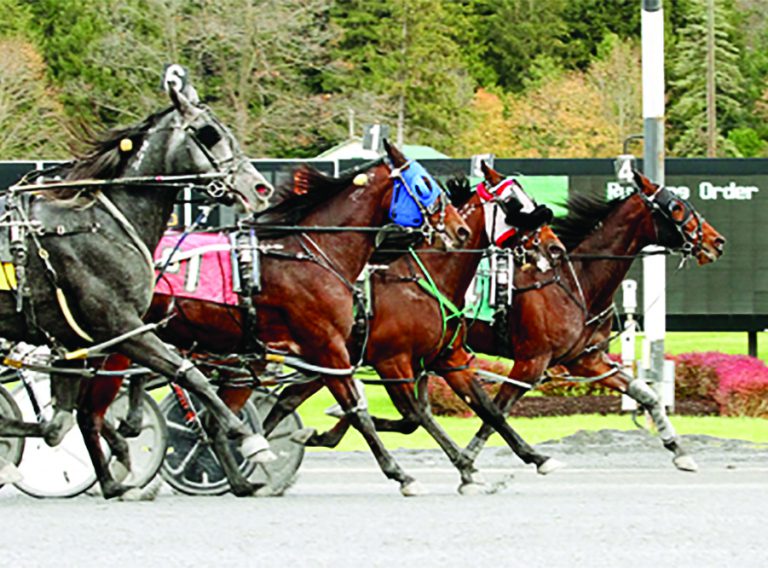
(680, 213)
(427, 211)
(205, 138)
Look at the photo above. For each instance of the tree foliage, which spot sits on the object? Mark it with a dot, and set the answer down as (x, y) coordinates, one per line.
(405, 53)
(526, 77)
(688, 88)
(30, 118)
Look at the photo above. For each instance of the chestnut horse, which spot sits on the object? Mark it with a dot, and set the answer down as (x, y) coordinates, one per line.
(568, 323)
(417, 325)
(306, 304)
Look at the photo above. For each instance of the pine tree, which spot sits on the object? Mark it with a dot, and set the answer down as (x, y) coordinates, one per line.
(404, 56)
(687, 117)
(516, 33)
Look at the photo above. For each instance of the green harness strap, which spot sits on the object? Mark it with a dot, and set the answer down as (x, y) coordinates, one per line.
(448, 310)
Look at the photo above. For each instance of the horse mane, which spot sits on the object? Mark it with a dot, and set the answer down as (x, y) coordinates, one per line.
(99, 155)
(307, 189)
(102, 158)
(585, 212)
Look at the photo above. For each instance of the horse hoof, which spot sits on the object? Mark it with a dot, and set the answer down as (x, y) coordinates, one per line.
(303, 435)
(412, 489)
(549, 466)
(9, 473)
(58, 427)
(473, 489)
(255, 448)
(133, 495)
(152, 489)
(685, 463)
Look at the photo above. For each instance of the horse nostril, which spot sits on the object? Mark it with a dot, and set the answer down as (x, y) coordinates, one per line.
(556, 250)
(263, 190)
(719, 244)
(463, 234)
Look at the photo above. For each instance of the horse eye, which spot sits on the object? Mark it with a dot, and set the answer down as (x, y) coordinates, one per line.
(208, 136)
(676, 211)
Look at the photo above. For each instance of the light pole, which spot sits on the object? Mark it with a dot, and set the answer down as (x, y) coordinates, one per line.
(654, 267)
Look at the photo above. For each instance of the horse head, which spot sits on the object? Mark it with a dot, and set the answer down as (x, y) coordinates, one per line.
(417, 200)
(200, 143)
(678, 225)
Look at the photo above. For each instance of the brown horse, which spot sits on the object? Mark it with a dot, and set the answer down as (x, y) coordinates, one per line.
(416, 326)
(568, 322)
(306, 305)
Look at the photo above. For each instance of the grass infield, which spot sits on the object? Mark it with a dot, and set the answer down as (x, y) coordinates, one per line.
(537, 430)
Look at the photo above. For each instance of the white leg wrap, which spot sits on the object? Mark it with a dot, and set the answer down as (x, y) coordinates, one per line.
(363, 404)
(647, 397)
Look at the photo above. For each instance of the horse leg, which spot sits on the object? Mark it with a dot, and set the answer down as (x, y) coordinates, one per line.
(12, 428)
(289, 399)
(527, 371)
(95, 400)
(149, 351)
(65, 389)
(416, 410)
(346, 395)
(470, 390)
(130, 426)
(646, 398)
(402, 399)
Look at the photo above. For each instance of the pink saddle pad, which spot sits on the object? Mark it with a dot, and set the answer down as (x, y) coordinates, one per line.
(201, 268)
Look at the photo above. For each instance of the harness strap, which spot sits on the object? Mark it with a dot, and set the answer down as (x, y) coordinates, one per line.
(130, 231)
(429, 286)
(62, 300)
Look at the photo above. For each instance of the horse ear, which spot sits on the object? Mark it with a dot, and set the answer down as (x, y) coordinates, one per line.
(180, 101)
(643, 183)
(492, 177)
(395, 156)
(181, 92)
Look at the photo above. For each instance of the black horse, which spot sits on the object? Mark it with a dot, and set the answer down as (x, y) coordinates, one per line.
(88, 276)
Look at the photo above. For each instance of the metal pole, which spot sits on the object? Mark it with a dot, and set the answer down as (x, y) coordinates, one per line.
(654, 267)
(711, 100)
(752, 343)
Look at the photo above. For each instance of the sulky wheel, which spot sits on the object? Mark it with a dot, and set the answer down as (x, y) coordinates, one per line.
(11, 449)
(191, 466)
(148, 449)
(63, 471)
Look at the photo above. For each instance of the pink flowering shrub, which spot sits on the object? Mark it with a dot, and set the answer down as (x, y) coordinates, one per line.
(738, 383)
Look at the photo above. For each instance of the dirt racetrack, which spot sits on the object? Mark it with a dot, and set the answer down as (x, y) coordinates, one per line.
(619, 503)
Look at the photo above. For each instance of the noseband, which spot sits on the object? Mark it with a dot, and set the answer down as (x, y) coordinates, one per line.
(205, 138)
(666, 202)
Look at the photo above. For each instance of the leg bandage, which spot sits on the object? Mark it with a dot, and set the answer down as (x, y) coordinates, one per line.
(648, 399)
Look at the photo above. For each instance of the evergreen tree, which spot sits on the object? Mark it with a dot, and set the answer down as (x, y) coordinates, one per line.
(405, 56)
(516, 33)
(687, 116)
(68, 31)
(589, 22)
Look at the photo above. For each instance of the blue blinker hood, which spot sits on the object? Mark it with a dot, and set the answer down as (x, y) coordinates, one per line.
(411, 183)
